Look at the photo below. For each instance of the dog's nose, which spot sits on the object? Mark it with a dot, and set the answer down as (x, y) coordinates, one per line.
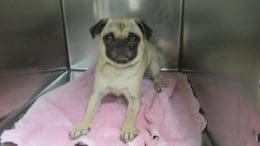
(121, 44)
(123, 51)
(122, 48)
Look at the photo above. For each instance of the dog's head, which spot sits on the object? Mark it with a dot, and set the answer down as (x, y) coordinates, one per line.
(121, 39)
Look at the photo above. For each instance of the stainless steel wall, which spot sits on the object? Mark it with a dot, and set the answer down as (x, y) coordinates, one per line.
(163, 16)
(32, 51)
(31, 35)
(221, 45)
(220, 36)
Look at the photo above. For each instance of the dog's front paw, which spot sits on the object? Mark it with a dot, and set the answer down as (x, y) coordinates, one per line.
(79, 130)
(128, 134)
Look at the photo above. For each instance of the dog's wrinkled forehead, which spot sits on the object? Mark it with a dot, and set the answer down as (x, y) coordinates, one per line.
(121, 27)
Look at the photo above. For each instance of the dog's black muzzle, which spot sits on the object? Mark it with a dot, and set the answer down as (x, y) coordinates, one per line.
(121, 51)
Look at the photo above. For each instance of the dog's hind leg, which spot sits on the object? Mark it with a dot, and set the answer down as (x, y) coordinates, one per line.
(154, 70)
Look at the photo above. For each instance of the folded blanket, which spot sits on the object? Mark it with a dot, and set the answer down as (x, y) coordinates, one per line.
(169, 118)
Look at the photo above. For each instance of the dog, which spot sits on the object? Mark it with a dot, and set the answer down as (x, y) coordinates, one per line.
(125, 56)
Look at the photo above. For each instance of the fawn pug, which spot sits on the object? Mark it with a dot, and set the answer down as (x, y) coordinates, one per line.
(125, 55)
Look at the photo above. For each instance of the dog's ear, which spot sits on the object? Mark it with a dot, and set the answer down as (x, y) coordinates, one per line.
(98, 27)
(146, 30)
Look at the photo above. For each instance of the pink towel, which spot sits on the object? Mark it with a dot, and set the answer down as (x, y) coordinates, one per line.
(169, 118)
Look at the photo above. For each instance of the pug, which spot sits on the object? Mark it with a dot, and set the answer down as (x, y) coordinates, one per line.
(125, 56)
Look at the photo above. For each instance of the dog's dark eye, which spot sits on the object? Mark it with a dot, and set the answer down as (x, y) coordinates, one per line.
(109, 38)
(133, 38)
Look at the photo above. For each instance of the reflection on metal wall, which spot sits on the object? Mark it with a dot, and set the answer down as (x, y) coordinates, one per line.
(162, 16)
(16, 90)
(31, 35)
(221, 37)
(228, 108)
(19, 89)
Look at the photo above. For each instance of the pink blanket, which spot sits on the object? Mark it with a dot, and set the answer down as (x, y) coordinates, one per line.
(170, 118)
